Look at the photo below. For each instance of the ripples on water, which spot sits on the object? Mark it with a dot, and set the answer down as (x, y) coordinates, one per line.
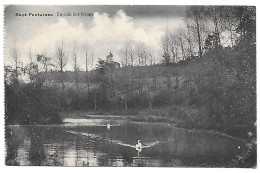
(91, 142)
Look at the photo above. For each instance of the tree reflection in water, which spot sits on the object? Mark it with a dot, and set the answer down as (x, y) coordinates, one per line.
(12, 144)
(36, 152)
(98, 146)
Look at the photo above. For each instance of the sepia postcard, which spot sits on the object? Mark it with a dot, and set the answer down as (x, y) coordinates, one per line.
(130, 86)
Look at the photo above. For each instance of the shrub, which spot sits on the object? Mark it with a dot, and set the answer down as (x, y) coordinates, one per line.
(31, 104)
(162, 99)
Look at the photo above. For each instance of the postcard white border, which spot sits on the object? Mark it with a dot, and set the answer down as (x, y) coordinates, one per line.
(31, 169)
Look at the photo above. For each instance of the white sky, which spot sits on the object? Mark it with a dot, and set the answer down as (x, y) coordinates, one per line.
(106, 31)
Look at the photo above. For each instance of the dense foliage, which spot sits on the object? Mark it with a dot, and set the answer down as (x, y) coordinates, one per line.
(31, 104)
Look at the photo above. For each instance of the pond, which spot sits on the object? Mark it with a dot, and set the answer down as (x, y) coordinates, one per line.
(112, 142)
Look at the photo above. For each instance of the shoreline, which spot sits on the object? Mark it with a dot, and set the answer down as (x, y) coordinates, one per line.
(139, 118)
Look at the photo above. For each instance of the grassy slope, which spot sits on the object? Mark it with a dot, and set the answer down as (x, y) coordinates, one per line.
(164, 114)
(157, 71)
(181, 114)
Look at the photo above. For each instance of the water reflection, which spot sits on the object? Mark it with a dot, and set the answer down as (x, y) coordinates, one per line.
(84, 145)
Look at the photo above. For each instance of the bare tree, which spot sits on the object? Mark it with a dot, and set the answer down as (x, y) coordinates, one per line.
(47, 64)
(150, 97)
(166, 45)
(182, 46)
(195, 19)
(62, 60)
(132, 56)
(16, 63)
(230, 22)
(15, 72)
(28, 67)
(125, 57)
(76, 66)
(95, 92)
(129, 48)
(92, 59)
(152, 66)
(141, 54)
(176, 40)
(216, 19)
(86, 53)
(214, 14)
(150, 55)
(95, 98)
(87, 77)
(188, 38)
(32, 68)
(15, 81)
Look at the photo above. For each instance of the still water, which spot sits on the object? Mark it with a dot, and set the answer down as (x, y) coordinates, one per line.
(112, 142)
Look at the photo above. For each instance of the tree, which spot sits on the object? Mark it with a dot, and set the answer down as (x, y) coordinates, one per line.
(195, 18)
(216, 14)
(132, 57)
(32, 68)
(28, 103)
(166, 43)
(17, 67)
(110, 67)
(101, 77)
(12, 89)
(104, 77)
(246, 46)
(152, 67)
(87, 77)
(62, 60)
(76, 66)
(211, 43)
(125, 57)
(182, 47)
(47, 63)
(189, 40)
(152, 63)
(128, 52)
(140, 52)
(230, 23)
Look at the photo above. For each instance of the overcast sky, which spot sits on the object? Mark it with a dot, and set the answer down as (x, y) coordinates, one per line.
(106, 31)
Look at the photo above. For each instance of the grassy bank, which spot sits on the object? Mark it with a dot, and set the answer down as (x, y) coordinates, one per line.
(184, 117)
